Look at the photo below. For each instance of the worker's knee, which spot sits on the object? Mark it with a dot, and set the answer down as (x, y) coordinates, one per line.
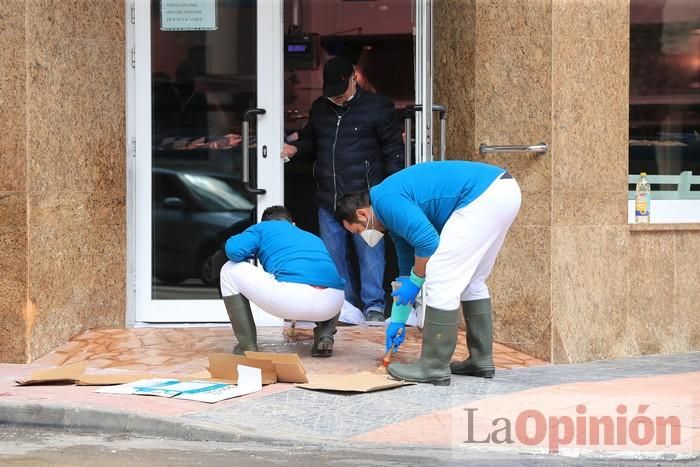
(229, 277)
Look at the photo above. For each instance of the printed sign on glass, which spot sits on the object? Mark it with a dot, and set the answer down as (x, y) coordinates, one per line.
(188, 15)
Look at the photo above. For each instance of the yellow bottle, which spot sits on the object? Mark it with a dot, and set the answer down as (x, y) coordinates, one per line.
(642, 200)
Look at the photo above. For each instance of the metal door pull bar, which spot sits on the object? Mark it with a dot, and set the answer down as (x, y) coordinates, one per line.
(541, 148)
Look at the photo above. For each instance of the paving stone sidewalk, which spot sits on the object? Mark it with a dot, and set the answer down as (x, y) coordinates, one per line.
(412, 416)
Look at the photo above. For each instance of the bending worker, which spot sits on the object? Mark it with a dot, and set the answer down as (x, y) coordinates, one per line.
(299, 281)
(448, 221)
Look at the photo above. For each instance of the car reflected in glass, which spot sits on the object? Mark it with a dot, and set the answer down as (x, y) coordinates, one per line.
(190, 211)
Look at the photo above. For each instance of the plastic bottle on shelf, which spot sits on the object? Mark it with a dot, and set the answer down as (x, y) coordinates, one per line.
(642, 200)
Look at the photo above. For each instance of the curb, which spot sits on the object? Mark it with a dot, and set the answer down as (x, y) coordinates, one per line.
(113, 422)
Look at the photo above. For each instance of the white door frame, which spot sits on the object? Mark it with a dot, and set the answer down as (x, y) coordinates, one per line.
(424, 79)
(140, 306)
(424, 97)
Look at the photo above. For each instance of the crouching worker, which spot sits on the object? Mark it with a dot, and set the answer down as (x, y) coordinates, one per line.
(448, 221)
(299, 280)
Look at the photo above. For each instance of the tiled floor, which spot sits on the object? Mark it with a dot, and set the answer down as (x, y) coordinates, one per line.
(184, 350)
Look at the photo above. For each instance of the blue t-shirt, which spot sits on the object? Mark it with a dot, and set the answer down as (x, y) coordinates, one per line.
(415, 203)
(287, 252)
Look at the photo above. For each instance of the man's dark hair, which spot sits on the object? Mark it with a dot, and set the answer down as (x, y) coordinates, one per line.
(349, 203)
(274, 213)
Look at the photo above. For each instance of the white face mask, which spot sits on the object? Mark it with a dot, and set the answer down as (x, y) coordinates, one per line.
(371, 236)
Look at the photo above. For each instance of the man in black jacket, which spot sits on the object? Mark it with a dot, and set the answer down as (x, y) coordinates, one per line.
(355, 142)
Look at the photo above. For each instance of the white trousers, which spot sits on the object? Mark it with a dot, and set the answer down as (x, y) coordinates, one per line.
(469, 244)
(286, 300)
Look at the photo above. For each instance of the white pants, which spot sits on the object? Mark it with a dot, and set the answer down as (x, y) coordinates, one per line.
(286, 300)
(469, 244)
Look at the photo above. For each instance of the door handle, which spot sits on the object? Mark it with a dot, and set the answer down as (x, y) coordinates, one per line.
(245, 150)
(442, 112)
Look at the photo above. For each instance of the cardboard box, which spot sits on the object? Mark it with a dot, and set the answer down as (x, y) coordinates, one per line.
(74, 373)
(364, 381)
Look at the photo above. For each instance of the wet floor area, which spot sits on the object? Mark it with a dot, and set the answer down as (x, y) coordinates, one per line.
(183, 350)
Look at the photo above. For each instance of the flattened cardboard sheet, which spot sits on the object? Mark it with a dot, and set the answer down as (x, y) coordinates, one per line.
(66, 374)
(197, 390)
(111, 379)
(288, 366)
(74, 373)
(223, 367)
(364, 381)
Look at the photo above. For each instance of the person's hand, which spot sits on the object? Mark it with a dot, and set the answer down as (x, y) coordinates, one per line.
(288, 151)
(406, 295)
(392, 337)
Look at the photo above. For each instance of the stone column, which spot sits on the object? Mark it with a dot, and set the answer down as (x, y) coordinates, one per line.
(493, 61)
(13, 185)
(63, 183)
(590, 127)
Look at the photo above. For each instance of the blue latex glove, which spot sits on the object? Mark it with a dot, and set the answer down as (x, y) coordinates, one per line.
(410, 286)
(391, 335)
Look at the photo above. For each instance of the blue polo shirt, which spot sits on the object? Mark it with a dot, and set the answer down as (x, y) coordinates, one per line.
(287, 252)
(415, 203)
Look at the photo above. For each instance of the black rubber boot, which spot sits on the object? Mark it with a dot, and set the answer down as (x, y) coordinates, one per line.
(241, 316)
(323, 337)
(439, 341)
(477, 316)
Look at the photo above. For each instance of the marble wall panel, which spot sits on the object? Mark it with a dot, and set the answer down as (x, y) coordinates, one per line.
(513, 88)
(76, 168)
(13, 199)
(77, 208)
(81, 286)
(520, 289)
(13, 214)
(532, 171)
(12, 112)
(596, 19)
(13, 295)
(12, 20)
(76, 112)
(535, 209)
(590, 247)
(590, 95)
(686, 293)
(651, 322)
(590, 267)
(589, 208)
(77, 19)
(506, 17)
(453, 62)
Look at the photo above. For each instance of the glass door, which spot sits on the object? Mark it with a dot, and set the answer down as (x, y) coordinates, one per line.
(207, 133)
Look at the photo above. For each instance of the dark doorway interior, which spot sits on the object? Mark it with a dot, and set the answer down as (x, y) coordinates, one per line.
(378, 38)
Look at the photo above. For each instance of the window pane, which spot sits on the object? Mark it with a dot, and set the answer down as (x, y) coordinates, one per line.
(202, 83)
(665, 96)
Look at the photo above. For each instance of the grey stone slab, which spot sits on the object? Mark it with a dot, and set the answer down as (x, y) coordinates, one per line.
(321, 414)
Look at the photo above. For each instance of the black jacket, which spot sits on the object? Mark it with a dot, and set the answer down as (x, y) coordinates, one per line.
(353, 147)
